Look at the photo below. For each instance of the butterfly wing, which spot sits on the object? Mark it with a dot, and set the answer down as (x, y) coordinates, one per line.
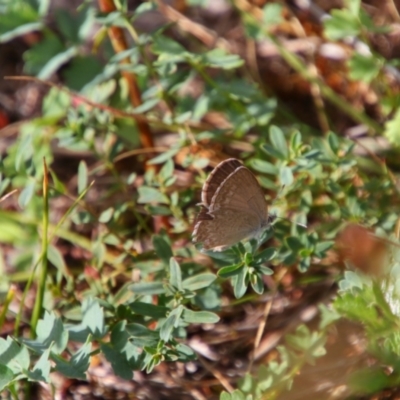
(236, 211)
(216, 178)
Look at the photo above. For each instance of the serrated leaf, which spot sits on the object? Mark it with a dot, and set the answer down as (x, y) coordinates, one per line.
(118, 361)
(93, 317)
(219, 59)
(272, 14)
(13, 356)
(77, 366)
(50, 331)
(342, 24)
(41, 370)
(364, 68)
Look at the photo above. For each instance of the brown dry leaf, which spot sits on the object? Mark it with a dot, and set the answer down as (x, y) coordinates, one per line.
(359, 247)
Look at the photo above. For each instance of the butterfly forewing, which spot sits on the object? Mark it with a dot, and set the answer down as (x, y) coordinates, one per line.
(217, 178)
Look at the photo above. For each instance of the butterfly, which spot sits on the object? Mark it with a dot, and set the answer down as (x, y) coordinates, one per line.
(233, 207)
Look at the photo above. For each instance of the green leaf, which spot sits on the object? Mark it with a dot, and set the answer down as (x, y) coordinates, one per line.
(392, 129)
(272, 152)
(118, 361)
(286, 176)
(6, 376)
(26, 194)
(56, 62)
(257, 283)
(199, 317)
(146, 106)
(147, 288)
(19, 31)
(167, 170)
(272, 14)
(148, 309)
(93, 317)
(163, 45)
(304, 264)
(294, 243)
(82, 177)
(106, 215)
(266, 255)
(56, 258)
(342, 24)
(235, 395)
(264, 166)
(239, 283)
(164, 156)
(219, 59)
(162, 248)
(364, 68)
(198, 282)
(354, 6)
(265, 270)
(81, 70)
(175, 274)
(322, 247)
(77, 366)
(368, 381)
(56, 103)
(151, 195)
(142, 335)
(41, 370)
(50, 331)
(13, 356)
(278, 141)
(231, 270)
(170, 323)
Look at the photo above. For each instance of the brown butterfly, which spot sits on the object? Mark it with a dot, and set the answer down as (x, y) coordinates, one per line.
(233, 207)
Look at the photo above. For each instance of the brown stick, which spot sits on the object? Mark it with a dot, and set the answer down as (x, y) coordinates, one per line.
(119, 44)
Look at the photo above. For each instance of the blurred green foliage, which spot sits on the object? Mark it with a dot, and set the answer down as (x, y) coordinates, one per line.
(320, 180)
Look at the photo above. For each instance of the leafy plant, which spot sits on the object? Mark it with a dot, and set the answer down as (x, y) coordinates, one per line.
(138, 284)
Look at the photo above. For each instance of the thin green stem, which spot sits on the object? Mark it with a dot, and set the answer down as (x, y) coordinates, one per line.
(295, 62)
(38, 307)
(9, 297)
